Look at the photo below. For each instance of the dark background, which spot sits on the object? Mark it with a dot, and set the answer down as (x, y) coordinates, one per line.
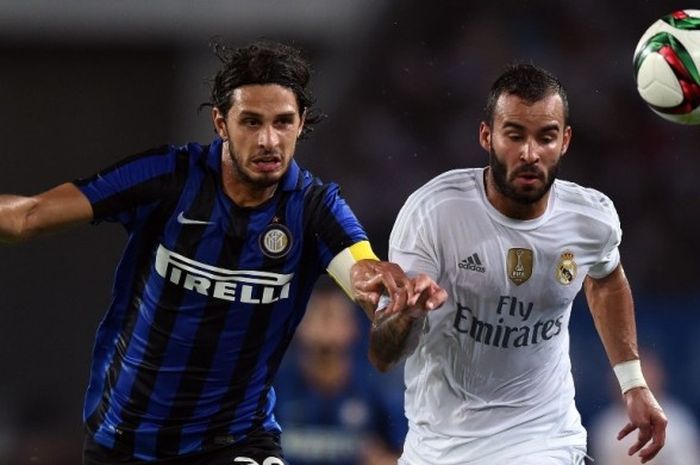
(84, 83)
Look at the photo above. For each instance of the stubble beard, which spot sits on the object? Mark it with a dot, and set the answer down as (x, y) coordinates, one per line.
(500, 174)
(262, 182)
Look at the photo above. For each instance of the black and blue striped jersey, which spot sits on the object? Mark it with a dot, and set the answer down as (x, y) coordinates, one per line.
(206, 298)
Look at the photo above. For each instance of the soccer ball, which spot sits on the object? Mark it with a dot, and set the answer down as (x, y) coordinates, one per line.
(666, 64)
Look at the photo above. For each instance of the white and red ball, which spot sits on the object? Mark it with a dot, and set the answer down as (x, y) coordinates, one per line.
(667, 66)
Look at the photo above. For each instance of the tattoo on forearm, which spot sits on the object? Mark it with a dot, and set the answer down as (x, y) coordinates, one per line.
(395, 337)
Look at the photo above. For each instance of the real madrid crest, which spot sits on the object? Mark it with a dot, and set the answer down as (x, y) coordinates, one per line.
(275, 240)
(566, 269)
(519, 264)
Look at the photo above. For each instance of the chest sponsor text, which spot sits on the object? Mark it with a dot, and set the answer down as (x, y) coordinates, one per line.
(245, 286)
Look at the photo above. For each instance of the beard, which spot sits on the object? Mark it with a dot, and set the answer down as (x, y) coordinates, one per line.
(262, 181)
(504, 180)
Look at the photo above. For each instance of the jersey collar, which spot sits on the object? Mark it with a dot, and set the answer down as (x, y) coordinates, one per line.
(290, 181)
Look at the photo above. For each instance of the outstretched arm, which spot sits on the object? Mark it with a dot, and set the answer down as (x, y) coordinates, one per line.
(610, 302)
(24, 217)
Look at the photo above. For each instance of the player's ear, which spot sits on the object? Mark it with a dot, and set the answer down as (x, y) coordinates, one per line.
(219, 120)
(485, 136)
(567, 140)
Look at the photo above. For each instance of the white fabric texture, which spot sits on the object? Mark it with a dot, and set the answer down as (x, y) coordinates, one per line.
(491, 374)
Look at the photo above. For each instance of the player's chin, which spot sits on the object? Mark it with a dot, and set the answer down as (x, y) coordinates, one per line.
(529, 194)
(267, 179)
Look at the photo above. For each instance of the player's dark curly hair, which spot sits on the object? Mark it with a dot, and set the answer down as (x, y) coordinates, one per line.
(263, 62)
(529, 82)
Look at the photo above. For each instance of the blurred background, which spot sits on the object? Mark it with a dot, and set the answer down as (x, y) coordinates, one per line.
(84, 83)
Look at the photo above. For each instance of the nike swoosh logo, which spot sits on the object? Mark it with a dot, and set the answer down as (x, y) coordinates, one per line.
(245, 460)
(182, 220)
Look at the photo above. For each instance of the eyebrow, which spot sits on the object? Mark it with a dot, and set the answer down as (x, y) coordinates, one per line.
(249, 113)
(520, 127)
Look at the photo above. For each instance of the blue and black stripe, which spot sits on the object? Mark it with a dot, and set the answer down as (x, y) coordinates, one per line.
(185, 357)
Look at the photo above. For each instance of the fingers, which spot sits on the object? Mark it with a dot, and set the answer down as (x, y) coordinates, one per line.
(399, 297)
(652, 428)
(438, 298)
(427, 294)
(391, 279)
(372, 284)
(421, 284)
(371, 298)
(369, 282)
(643, 437)
(629, 427)
(371, 279)
(658, 428)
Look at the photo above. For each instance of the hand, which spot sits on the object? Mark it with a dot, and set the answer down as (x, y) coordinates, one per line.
(427, 295)
(646, 415)
(371, 278)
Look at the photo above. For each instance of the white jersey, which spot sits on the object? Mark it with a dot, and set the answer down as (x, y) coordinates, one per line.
(492, 374)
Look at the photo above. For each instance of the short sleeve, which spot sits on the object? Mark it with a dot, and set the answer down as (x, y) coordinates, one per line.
(116, 192)
(610, 255)
(412, 239)
(331, 221)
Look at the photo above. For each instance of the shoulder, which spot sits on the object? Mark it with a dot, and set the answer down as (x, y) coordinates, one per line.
(169, 158)
(434, 203)
(306, 180)
(586, 201)
(459, 184)
(312, 188)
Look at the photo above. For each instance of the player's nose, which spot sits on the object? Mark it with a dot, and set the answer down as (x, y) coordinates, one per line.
(529, 152)
(268, 137)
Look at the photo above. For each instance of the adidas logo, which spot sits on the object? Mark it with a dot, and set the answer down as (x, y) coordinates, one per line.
(472, 263)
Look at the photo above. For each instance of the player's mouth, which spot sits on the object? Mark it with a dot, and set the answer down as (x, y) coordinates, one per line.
(529, 177)
(267, 164)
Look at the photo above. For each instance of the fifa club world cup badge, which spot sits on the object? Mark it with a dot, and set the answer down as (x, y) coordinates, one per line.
(275, 240)
(566, 269)
(519, 264)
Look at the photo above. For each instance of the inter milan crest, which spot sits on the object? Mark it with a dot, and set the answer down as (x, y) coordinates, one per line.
(566, 269)
(275, 241)
(519, 265)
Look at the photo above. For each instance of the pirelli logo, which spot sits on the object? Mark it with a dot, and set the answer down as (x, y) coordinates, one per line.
(245, 286)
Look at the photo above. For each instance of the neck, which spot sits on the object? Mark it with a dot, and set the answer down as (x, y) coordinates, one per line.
(508, 206)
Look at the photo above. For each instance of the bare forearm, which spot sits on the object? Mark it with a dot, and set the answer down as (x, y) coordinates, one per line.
(14, 214)
(611, 304)
(24, 217)
(393, 338)
(618, 333)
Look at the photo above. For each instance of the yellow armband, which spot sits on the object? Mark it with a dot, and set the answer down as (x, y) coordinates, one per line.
(339, 267)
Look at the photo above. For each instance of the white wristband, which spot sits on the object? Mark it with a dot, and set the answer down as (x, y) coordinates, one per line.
(629, 375)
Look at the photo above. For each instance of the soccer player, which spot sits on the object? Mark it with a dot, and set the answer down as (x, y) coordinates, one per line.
(488, 375)
(225, 242)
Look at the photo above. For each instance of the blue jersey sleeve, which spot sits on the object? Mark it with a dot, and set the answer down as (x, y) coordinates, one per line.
(119, 191)
(332, 221)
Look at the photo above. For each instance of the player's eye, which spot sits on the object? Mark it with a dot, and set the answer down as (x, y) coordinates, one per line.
(284, 121)
(547, 138)
(251, 122)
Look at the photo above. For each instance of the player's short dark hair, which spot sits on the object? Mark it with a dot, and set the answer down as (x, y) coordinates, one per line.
(529, 82)
(263, 62)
